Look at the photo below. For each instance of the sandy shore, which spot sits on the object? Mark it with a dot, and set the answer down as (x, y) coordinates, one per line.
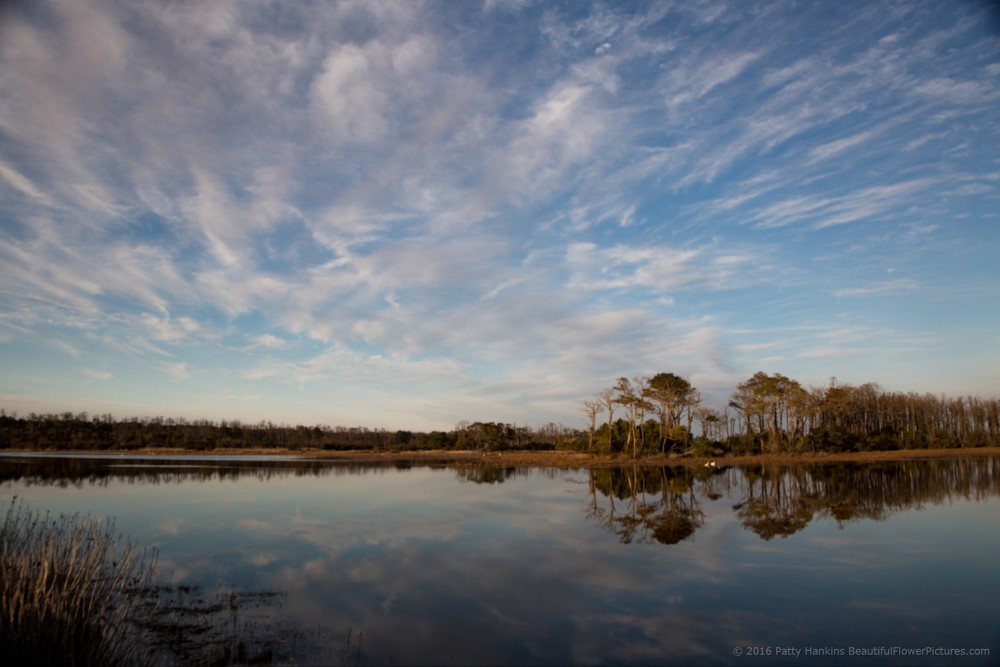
(569, 459)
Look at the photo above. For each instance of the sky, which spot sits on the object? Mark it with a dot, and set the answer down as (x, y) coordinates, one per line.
(402, 215)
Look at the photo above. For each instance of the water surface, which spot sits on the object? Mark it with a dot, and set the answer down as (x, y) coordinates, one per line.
(841, 563)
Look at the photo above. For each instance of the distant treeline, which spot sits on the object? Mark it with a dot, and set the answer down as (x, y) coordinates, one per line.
(69, 431)
(776, 414)
(661, 414)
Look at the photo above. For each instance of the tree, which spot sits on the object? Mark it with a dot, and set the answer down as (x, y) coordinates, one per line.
(607, 399)
(771, 403)
(632, 398)
(708, 423)
(673, 396)
(591, 409)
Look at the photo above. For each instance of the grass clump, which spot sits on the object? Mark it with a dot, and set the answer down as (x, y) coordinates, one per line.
(72, 592)
(68, 590)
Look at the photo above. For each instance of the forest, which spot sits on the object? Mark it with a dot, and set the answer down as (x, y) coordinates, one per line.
(660, 414)
(774, 414)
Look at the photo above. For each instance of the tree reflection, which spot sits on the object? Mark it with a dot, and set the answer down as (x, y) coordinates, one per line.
(636, 503)
(681, 513)
(646, 504)
(488, 474)
(77, 471)
(65, 471)
(655, 504)
(777, 502)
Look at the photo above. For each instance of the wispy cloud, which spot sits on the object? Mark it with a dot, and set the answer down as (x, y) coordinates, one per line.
(178, 371)
(888, 287)
(521, 198)
(270, 341)
(165, 330)
(832, 148)
(19, 181)
(97, 374)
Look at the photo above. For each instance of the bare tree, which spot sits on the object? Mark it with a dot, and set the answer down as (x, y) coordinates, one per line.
(607, 399)
(630, 396)
(592, 408)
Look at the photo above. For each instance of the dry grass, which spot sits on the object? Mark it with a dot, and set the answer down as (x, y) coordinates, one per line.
(67, 591)
(73, 593)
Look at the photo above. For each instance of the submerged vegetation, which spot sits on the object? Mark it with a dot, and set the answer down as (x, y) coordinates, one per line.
(662, 414)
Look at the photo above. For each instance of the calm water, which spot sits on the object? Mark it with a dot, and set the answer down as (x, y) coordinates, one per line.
(845, 564)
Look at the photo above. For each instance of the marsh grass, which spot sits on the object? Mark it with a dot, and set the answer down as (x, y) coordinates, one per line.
(68, 590)
(72, 592)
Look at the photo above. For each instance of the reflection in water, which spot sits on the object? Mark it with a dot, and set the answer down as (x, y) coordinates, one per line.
(636, 503)
(653, 503)
(65, 471)
(489, 474)
(98, 470)
(439, 564)
(646, 503)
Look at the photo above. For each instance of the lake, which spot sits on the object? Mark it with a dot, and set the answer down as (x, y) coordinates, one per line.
(887, 563)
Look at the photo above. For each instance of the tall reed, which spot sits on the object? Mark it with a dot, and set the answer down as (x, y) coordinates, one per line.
(69, 590)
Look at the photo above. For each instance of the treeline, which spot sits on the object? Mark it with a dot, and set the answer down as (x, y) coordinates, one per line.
(776, 414)
(660, 414)
(68, 431)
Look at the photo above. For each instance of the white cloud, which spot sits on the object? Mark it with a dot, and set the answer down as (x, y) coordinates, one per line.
(562, 132)
(887, 287)
(828, 352)
(753, 347)
(496, 193)
(951, 90)
(362, 88)
(178, 371)
(261, 373)
(97, 374)
(351, 102)
(168, 331)
(692, 84)
(19, 181)
(832, 148)
(65, 347)
(270, 341)
(656, 267)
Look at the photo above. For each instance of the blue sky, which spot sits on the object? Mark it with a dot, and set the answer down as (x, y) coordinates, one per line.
(407, 214)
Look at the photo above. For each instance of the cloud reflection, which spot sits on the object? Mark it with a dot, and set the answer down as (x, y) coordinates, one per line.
(437, 570)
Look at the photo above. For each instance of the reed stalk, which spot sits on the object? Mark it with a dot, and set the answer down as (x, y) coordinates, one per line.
(69, 590)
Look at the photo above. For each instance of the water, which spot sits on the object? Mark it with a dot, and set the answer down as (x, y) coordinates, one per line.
(834, 564)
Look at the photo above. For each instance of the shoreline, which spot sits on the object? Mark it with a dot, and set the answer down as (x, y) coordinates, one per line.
(544, 459)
